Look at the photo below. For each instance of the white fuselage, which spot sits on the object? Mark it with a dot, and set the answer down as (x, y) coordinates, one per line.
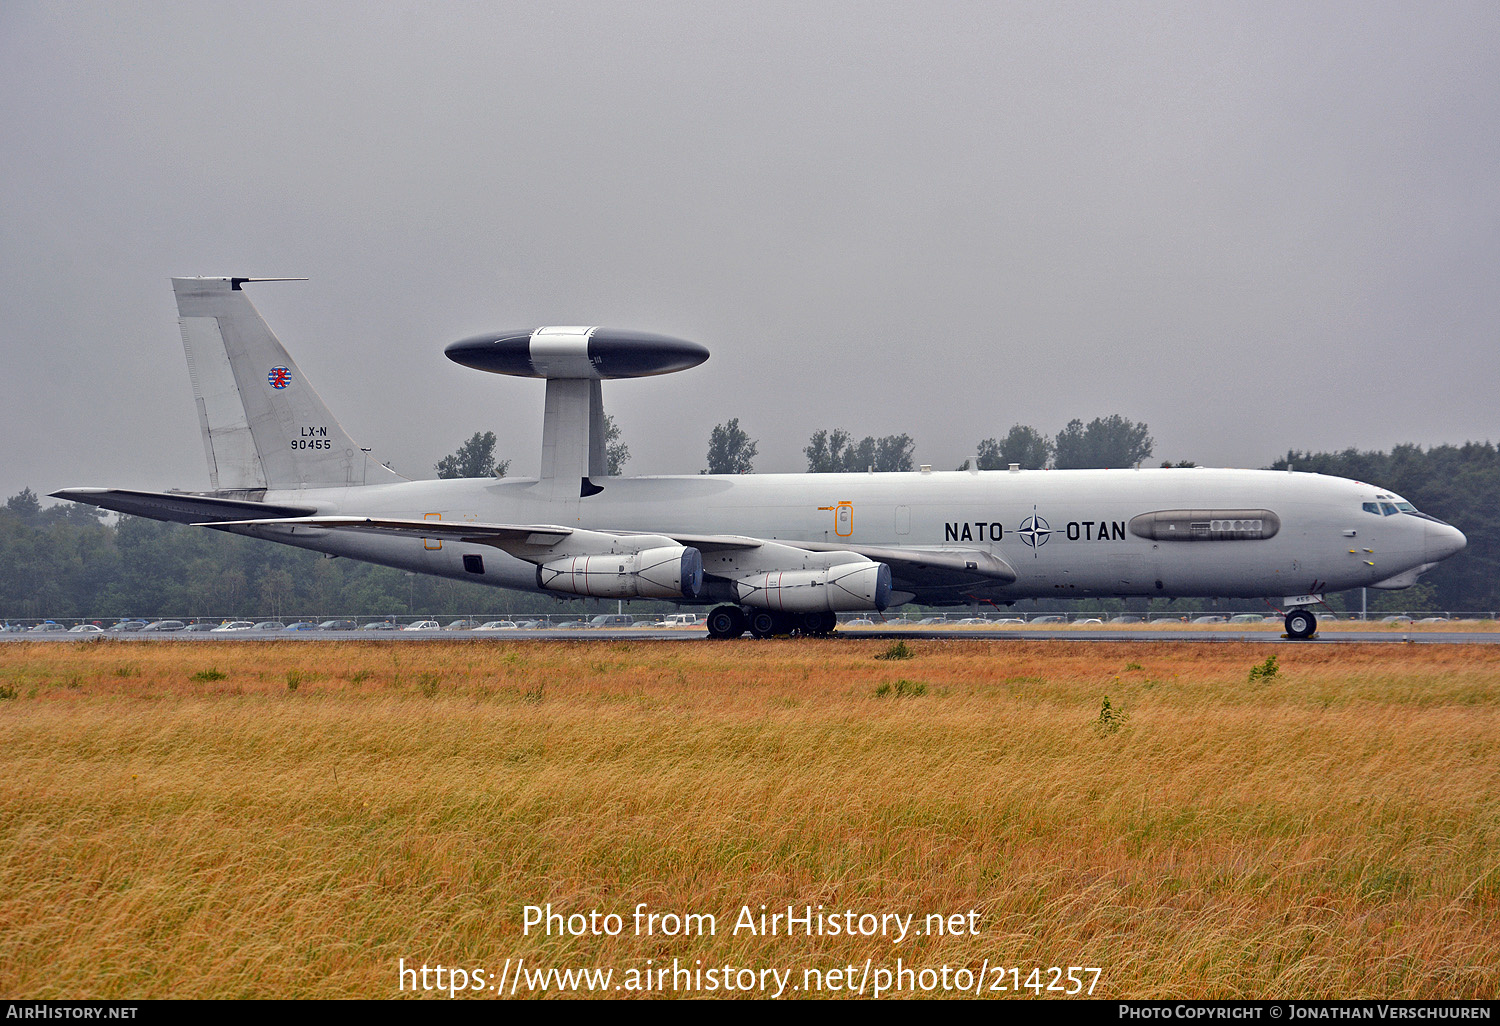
(1066, 533)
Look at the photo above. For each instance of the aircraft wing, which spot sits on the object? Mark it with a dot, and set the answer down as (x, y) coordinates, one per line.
(181, 507)
(502, 536)
(926, 567)
(731, 556)
(526, 541)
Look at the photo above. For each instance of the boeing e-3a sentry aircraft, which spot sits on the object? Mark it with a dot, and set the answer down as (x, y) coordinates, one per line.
(773, 553)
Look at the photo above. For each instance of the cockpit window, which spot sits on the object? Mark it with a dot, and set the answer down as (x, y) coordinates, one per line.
(1389, 509)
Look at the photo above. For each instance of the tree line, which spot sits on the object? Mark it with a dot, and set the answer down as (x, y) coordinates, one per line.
(1111, 441)
(1103, 442)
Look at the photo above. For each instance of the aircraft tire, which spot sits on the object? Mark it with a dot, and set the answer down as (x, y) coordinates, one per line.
(1301, 624)
(726, 622)
(817, 625)
(764, 623)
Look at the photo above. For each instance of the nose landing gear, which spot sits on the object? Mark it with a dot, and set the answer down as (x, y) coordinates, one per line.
(1301, 624)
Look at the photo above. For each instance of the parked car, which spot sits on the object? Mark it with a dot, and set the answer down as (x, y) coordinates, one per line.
(45, 627)
(86, 628)
(1048, 619)
(270, 625)
(1247, 618)
(127, 626)
(380, 625)
(462, 625)
(860, 622)
(497, 625)
(201, 627)
(1208, 619)
(337, 625)
(612, 620)
(302, 625)
(165, 625)
(423, 625)
(235, 625)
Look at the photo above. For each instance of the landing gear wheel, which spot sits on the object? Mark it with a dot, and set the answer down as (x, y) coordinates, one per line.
(816, 625)
(1300, 624)
(726, 622)
(764, 623)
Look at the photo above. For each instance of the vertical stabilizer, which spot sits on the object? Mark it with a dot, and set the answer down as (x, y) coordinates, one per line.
(263, 424)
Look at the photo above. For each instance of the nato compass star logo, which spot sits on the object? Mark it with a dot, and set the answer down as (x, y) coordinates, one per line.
(279, 377)
(1034, 531)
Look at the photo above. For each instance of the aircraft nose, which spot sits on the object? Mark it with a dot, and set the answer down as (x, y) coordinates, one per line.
(1442, 541)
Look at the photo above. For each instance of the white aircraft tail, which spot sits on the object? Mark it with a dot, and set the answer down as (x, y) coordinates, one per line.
(263, 424)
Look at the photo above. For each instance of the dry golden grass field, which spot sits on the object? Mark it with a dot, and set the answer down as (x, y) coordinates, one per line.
(293, 819)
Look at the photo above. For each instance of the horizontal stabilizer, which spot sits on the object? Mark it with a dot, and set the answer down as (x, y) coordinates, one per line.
(181, 507)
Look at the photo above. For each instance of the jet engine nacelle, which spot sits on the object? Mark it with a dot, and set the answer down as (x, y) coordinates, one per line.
(844, 587)
(668, 572)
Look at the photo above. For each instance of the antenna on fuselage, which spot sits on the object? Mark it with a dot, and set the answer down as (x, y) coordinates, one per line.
(575, 362)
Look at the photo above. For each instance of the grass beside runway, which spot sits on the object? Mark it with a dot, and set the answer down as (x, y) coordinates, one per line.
(274, 819)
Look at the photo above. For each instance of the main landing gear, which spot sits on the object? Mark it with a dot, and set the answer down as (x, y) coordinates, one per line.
(733, 621)
(1301, 624)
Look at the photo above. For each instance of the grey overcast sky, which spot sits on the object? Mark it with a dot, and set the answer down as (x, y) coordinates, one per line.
(1253, 226)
